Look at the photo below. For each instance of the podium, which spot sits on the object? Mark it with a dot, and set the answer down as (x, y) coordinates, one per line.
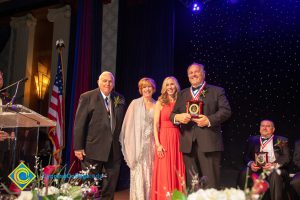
(13, 117)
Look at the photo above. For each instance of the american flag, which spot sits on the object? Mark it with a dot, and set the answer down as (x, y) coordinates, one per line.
(55, 113)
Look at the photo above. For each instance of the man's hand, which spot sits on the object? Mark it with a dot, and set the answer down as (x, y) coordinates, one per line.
(268, 166)
(202, 121)
(254, 167)
(79, 154)
(183, 118)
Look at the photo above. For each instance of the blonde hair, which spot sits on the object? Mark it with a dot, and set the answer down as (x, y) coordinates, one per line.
(163, 98)
(144, 82)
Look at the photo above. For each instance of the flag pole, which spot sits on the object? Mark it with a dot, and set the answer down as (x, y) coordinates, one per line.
(60, 45)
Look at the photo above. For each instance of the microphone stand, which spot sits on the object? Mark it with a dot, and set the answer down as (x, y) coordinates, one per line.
(12, 101)
(19, 81)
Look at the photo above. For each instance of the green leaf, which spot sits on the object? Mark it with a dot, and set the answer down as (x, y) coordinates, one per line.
(48, 197)
(34, 195)
(177, 195)
(77, 198)
(75, 192)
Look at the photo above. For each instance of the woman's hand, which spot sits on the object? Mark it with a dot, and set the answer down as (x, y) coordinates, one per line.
(160, 151)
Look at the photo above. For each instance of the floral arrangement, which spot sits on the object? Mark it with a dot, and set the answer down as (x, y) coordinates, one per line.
(256, 192)
(118, 101)
(53, 183)
(213, 194)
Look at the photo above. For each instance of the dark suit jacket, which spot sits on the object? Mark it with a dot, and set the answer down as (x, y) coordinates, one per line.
(296, 157)
(92, 129)
(282, 154)
(216, 108)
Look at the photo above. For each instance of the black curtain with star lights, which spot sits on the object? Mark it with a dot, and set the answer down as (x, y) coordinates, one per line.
(250, 48)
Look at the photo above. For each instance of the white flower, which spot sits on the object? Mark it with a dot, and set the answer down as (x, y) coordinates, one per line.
(168, 194)
(234, 194)
(65, 188)
(64, 198)
(255, 196)
(25, 195)
(213, 194)
(51, 190)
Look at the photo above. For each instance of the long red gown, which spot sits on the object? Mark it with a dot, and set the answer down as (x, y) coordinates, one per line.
(169, 171)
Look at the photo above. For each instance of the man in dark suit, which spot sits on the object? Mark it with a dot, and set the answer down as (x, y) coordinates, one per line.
(277, 157)
(97, 127)
(295, 182)
(201, 138)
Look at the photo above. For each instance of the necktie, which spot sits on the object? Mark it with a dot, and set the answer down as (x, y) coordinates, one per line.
(107, 105)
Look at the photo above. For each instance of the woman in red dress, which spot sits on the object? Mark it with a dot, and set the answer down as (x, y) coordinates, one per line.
(169, 171)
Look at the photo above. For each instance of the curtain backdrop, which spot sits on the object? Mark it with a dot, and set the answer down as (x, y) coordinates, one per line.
(145, 44)
(85, 59)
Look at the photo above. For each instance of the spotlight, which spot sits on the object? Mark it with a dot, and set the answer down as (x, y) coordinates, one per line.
(196, 7)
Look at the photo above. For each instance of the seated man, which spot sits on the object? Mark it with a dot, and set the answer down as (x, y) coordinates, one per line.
(277, 157)
(295, 182)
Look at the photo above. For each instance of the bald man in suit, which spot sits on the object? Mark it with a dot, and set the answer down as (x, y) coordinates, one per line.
(201, 138)
(97, 128)
(278, 156)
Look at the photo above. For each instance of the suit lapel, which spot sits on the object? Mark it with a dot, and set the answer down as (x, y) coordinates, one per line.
(113, 112)
(189, 95)
(274, 143)
(257, 144)
(101, 104)
(101, 100)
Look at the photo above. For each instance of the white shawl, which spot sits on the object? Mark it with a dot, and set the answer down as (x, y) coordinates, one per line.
(131, 136)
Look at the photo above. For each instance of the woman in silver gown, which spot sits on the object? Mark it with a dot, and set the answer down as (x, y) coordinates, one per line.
(137, 140)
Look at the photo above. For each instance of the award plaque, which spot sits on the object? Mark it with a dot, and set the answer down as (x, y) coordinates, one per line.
(261, 158)
(194, 108)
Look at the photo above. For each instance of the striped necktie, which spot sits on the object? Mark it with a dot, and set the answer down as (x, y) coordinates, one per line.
(107, 105)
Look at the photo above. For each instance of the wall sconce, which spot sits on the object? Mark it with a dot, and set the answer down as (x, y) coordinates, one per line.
(42, 80)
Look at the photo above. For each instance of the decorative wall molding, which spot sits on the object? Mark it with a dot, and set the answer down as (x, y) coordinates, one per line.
(109, 36)
(21, 52)
(61, 19)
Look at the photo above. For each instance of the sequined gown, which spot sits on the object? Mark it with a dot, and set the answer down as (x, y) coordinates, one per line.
(140, 176)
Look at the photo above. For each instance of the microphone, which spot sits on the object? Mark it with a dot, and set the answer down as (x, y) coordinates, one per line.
(19, 81)
(23, 79)
(11, 107)
(12, 101)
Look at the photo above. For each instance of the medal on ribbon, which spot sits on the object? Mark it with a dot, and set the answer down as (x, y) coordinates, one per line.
(194, 107)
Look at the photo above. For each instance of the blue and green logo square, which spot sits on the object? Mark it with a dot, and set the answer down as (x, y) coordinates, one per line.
(21, 176)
